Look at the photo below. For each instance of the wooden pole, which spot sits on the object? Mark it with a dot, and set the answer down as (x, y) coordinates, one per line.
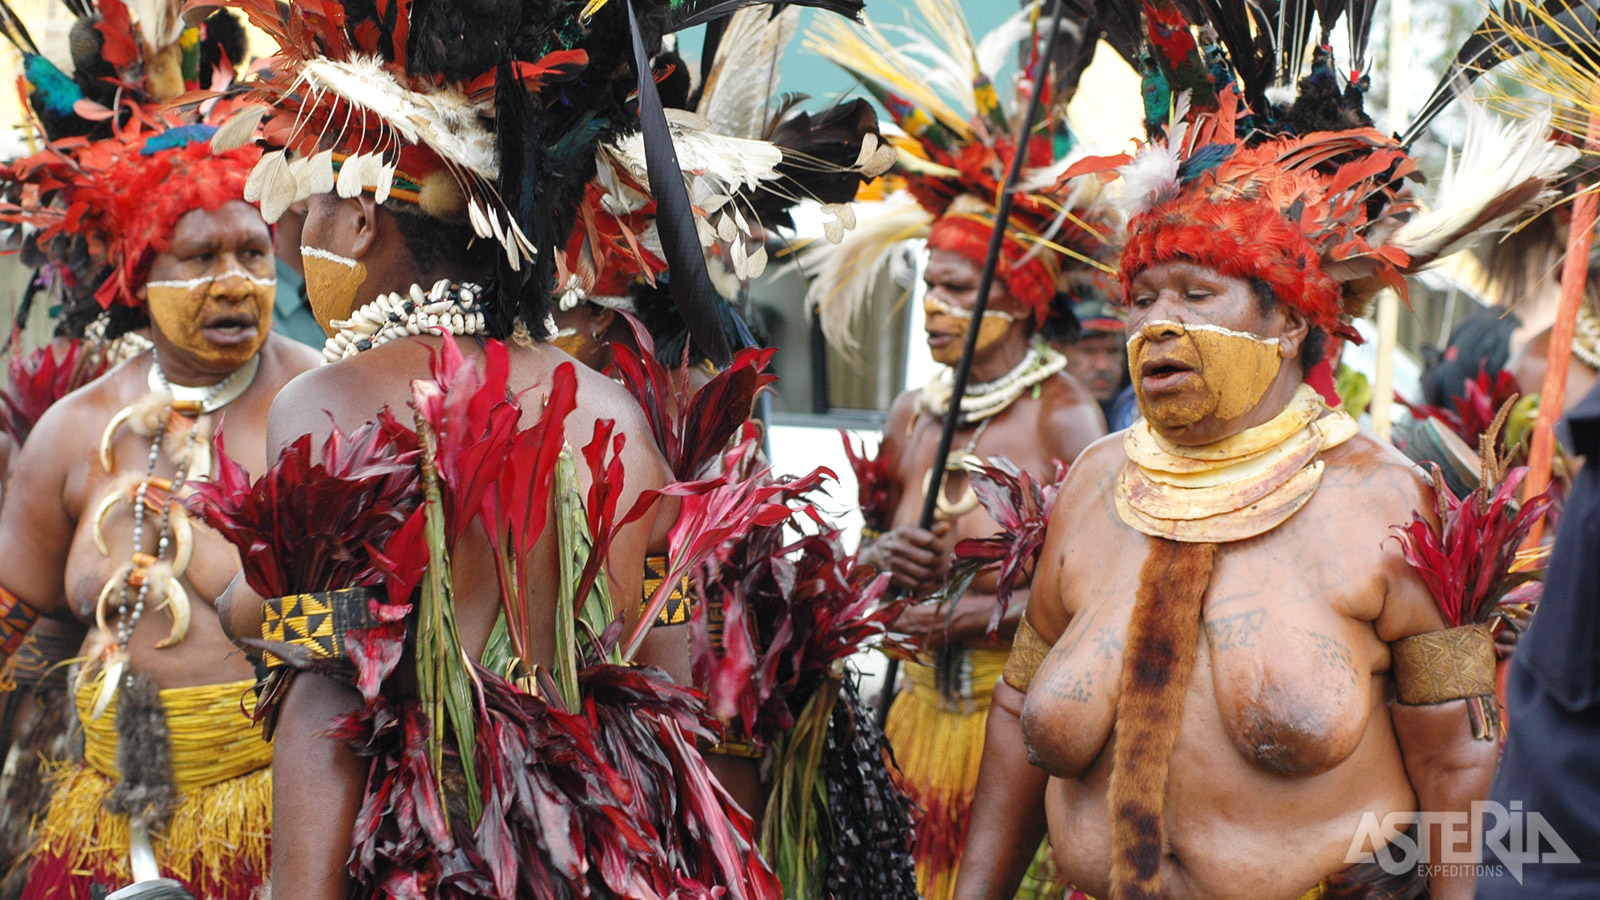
(1388, 316)
(1574, 278)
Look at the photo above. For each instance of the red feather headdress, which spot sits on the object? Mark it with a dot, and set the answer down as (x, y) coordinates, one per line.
(1308, 198)
(959, 147)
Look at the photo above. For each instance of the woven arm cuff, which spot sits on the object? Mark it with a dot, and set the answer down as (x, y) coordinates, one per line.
(680, 602)
(1028, 651)
(317, 623)
(16, 618)
(1452, 664)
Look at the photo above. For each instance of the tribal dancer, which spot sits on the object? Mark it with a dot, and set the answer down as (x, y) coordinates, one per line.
(441, 169)
(173, 782)
(1020, 404)
(1242, 664)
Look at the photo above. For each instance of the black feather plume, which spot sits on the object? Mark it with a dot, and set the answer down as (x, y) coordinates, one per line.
(1491, 44)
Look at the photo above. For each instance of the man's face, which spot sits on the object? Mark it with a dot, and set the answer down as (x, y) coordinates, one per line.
(952, 282)
(1200, 349)
(210, 294)
(1097, 361)
(333, 278)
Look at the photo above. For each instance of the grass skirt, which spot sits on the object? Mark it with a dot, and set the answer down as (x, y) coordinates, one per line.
(218, 840)
(938, 741)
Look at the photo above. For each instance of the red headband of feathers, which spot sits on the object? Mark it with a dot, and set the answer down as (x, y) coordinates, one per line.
(125, 195)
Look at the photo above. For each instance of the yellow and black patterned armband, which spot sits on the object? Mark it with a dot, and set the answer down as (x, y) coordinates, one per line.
(680, 601)
(1028, 651)
(317, 623)
(1440, 666)
(16, 618)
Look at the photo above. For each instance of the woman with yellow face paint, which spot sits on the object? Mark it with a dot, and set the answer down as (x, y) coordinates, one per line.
(175, 782)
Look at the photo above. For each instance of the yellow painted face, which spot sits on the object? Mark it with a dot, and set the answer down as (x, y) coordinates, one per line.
(1186, 373)
(947, 329)
(222, 321)
(332, 285)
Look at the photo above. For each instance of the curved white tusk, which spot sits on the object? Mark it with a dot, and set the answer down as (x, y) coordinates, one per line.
(178, 604)
(108, 686)
(182, 541)
(101, 513)
(112, 583)
(109, 437)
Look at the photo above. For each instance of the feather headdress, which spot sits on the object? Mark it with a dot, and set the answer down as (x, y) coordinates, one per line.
(125, 156)
(485, 112)
(943, 88)
(745, 156)
(1297, 189)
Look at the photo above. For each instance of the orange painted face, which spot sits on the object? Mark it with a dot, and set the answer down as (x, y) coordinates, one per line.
(952, 293)
(211, 294)
(1201, 346)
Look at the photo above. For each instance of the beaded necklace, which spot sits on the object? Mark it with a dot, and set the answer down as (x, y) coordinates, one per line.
(148, 578)
(988, 399)
(449, 308)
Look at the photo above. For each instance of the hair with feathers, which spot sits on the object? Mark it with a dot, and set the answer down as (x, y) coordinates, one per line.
(946, 91)
(1304, 195)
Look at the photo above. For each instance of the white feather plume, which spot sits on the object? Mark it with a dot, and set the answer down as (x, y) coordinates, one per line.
(1150, 178)
(844, 276)
(1503, 174)
(739, 89)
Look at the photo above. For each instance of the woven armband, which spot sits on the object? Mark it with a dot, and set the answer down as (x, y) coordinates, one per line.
(1028, 651)
(680, 601)
(16, 617)
(317, 623)
(1452, 664)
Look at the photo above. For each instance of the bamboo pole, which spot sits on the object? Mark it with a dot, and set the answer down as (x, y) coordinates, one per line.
(1388, 316)
(1553, 393)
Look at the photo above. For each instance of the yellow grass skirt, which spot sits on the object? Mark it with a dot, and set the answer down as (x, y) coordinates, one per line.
(218, 841)
(938, 742)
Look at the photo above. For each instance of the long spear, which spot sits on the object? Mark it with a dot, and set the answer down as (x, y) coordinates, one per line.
(1002, 215)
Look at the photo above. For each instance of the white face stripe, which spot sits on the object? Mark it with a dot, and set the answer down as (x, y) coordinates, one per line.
(966, 314)
(1216, 329)
(190, 284)
(319, 253)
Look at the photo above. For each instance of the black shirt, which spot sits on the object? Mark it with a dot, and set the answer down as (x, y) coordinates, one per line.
(1552, 756)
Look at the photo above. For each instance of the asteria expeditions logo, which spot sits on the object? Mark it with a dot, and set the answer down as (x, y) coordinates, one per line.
(1489, 839)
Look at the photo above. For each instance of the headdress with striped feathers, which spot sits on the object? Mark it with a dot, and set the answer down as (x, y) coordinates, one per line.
(944, 90)
(747, 157)
(486, 112)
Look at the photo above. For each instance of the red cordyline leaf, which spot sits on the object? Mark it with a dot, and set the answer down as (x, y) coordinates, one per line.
(706, 421)
(1022, 506)
(872, 482)
(1473, 412)
(305, 525)
(475, 419)
(794, 603)
(1466, 559)
(37, 380)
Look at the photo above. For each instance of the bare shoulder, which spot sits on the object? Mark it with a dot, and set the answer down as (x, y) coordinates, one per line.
(1389, 483)
(1072, 417)
(1094, 470)
(85, 411)
(286, 357)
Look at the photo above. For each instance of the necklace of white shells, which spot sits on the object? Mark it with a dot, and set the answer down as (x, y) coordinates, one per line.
(449, 308)
(175, 418)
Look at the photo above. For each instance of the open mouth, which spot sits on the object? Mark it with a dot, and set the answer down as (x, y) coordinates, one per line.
(1162, 373)
(941, 339)
(231, 328)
